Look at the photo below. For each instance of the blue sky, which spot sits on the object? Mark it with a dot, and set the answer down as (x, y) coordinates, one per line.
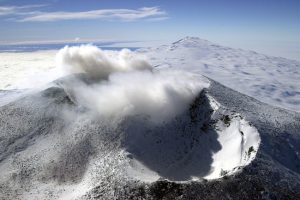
(264, 25)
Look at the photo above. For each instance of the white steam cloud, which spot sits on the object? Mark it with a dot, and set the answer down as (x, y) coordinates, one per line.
(98, 63)
(128, 85)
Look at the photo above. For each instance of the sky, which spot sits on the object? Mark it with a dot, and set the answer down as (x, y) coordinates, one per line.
(267, 26)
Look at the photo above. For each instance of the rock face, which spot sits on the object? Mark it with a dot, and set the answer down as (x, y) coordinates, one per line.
(225, 146)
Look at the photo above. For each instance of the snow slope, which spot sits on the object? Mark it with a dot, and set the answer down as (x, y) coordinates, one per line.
(269, 79)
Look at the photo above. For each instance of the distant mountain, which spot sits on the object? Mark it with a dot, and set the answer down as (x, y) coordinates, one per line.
(269, 79)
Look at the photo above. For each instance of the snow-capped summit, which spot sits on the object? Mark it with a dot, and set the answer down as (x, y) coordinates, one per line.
(191, 42)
